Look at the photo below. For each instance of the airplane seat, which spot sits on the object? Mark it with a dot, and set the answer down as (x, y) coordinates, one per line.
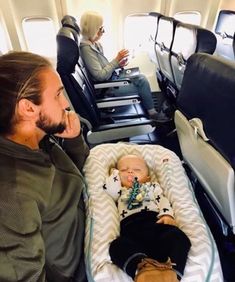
(120, 107)
(224, 31)
(84, 103)
(123, 106)
(197, 40)
(164, 40)
(204, 122)
(153, 34)
(71, 22)
(67, 56)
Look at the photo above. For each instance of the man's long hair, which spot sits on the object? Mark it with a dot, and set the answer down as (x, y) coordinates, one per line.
(19, 78)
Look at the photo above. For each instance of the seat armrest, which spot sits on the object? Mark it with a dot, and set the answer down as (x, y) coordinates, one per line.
(131, 123)
(112, 83)
(120, 130)
(118, 101)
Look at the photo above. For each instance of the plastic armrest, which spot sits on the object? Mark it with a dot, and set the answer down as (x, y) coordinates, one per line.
(128, 124)
(118, 101)
(115, 83)
(119, 131)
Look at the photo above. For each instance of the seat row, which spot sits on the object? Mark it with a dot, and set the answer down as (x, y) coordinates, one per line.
(204, 121)
(173, 43)
(129, 119)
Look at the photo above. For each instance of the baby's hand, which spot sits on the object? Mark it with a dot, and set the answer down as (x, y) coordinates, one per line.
(167, 219)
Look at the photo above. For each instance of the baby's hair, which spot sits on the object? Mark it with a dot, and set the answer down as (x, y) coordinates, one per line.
(135, 153)
(114, 166)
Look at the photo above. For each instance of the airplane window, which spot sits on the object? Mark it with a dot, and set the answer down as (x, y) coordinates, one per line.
(188, 17)
(40, 36)
(138, 33)
(4, 46)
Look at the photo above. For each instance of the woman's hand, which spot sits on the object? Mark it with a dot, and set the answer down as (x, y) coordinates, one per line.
(123, 54)
(73, 126)
(123, 63)
(167, 219)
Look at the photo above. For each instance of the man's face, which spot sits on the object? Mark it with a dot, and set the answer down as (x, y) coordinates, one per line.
(52, 115)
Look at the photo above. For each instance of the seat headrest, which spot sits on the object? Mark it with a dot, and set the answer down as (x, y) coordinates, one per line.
(198, 40)
(67, 51)
(155, 14)
(207, 92)
(206, 41)
(69, 21)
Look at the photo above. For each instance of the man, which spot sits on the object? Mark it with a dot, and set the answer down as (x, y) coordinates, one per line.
(41, 202)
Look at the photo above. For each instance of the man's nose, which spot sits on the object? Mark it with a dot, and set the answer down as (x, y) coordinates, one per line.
(64, 101)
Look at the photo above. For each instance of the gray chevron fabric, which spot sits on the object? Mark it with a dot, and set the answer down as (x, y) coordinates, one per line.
(102, 224)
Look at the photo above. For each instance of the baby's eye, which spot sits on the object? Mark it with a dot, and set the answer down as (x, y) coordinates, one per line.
(137, 169)
(123, 169)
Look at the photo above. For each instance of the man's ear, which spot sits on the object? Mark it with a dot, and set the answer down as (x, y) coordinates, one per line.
(27, 109)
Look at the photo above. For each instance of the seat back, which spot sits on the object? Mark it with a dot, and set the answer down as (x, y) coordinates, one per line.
(189, 39)
(72, 79)
(154, 16)
(224, 31)
(204, 124)
(70, 25)
(164, 40)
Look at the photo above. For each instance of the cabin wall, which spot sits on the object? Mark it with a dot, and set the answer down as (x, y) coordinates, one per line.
(15, 11)
(227, 5)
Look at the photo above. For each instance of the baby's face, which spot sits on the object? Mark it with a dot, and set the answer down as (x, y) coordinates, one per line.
(132, 166)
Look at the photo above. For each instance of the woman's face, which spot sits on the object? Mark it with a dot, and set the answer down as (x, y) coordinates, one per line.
(99, 34)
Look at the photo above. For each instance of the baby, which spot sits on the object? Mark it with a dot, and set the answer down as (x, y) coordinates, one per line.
(150, 246)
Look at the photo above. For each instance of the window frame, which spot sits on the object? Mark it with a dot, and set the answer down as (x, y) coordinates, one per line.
(30, 44)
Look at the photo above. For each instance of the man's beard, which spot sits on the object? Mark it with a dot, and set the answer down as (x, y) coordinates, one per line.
(48, 127)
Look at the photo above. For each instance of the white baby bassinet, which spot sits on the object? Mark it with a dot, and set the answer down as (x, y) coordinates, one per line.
(102, 223)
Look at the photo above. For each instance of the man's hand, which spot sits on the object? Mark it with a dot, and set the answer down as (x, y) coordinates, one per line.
(167, 219)
(73, 126)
